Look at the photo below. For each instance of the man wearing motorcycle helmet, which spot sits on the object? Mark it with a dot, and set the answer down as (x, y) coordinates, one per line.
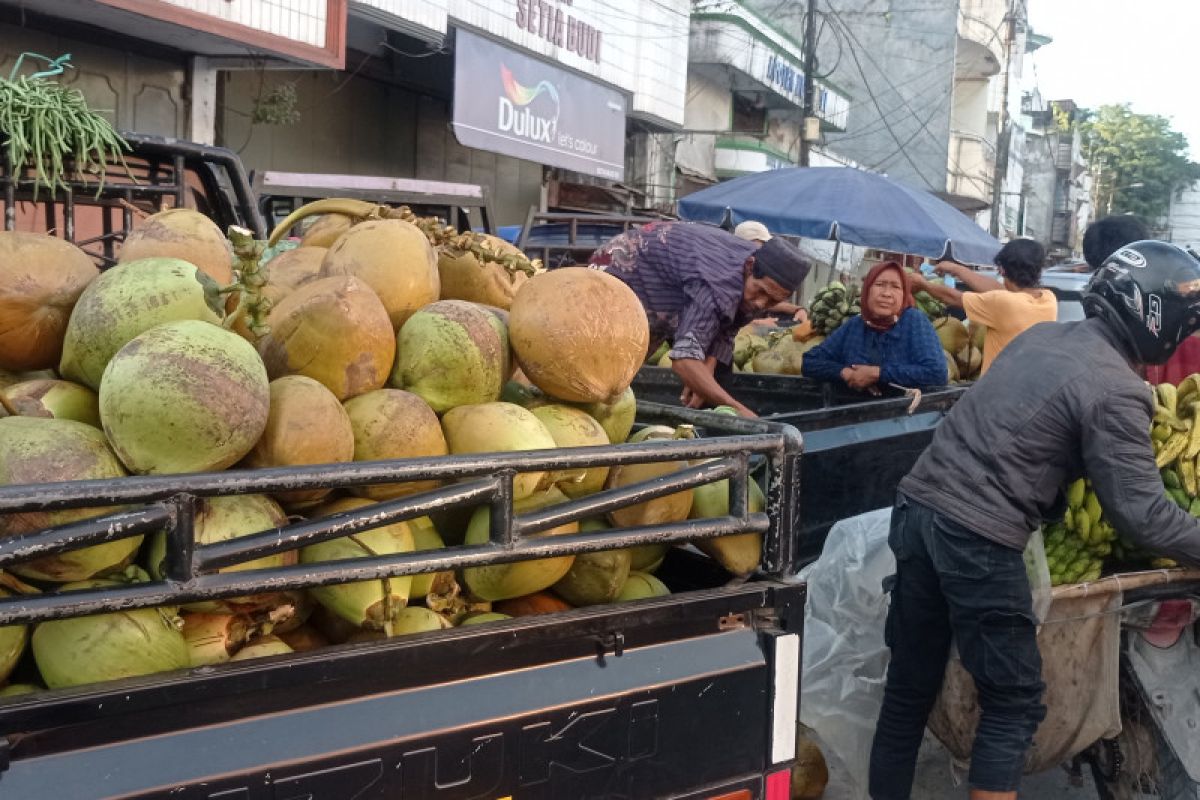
(1062, 401)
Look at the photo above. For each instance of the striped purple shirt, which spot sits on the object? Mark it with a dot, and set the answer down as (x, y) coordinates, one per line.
(690, 279)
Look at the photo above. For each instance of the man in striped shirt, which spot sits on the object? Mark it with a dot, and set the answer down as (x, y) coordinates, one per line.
(700, 284)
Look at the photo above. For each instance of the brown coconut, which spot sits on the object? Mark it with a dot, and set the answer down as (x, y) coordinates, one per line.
(334, 330)
(285, 272)
(182, 233)
(579, 334)
(391, 423)
(41, 277)
(306, 425)
(394, 258)
(465, 277)
(325, 230)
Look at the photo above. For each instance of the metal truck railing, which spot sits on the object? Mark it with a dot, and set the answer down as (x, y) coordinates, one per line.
(166, 502)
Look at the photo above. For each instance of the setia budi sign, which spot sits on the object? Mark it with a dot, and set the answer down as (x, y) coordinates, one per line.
(510, 103)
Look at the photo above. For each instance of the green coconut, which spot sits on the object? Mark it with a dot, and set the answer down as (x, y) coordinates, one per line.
(391, 423)
(263, 647)
(641, 585)
(129, 300)
(181, 233)
(572, 427)
(452, 353)
(185, 396)
(483, 617)
(425, 537)
(499, 427)
(214, 638)
(505, 581)
(14, 689)
(394, 258)
(37, 450)
(739, 553)
(647, 557)
(594, 577)
(106, 647)
(616, 417)
(372, 604)
(418, 619)
(219, 519)
(334, 330)
(53, 399)
(305, 425)
(13, 639)
(41, 278)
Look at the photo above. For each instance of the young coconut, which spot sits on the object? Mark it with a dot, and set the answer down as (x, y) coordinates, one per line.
(128, 300)
(465, 277)
(52, 399)
(452, 353)
(505, 581)
(214, 638)
(483, 617)
(740, 553)
(660, 510)
(426, 537)
(586, 350)
(304, 639)
(13, 639)
(572, 427)
(372, 604)
(617, 417)
(531, 605)
(262, 647)
(106, 647)
(185, 396)
(219, 519)
(306, 425)
(335, 331)
(394, 258)
(390, 423)
(641, 585)
(41, 278)
(181, 233)
(37, 450)
(594, 577)
(647, 557)
(499, 427)
(325, 230)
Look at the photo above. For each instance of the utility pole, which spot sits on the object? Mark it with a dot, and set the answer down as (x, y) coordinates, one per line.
(1002, 148)
(810, 83)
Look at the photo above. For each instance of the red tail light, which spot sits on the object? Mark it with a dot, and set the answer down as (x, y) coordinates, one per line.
(779, 785)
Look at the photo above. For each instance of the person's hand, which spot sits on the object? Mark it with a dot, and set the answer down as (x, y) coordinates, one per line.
(801, 315)
(947, 268)
(860, 377)
(744, 412)
(690, 399)
(917, 282)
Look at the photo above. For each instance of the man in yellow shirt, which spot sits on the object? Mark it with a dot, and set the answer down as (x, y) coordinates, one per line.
(1005, 309)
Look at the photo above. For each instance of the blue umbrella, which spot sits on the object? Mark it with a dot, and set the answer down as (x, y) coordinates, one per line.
(845, 205)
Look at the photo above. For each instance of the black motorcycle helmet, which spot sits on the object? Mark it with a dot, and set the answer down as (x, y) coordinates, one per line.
(1149, 292)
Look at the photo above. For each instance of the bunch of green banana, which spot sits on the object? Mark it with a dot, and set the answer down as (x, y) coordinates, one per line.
(929, 305)
(1077, 546)
(832, 306)
(1175, 433)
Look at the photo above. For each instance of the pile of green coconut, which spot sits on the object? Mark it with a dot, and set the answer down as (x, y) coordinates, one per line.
(372, 334)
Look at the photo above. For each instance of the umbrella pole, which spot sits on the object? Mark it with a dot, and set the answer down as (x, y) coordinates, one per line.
(837, 249)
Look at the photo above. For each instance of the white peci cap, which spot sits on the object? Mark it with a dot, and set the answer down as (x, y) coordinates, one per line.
(752, 231)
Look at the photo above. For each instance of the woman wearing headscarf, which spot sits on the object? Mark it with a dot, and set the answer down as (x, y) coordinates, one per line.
(890, 343)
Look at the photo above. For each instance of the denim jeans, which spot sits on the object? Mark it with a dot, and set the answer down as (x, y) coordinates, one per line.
(951, 583)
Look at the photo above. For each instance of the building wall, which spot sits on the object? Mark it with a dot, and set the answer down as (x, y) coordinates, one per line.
(1040, 185)
(709, 107)
(1184, 219)
(352, 125)
(135, 92)
(903, 51)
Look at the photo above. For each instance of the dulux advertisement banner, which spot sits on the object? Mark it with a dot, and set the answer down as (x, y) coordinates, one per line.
(510, 103)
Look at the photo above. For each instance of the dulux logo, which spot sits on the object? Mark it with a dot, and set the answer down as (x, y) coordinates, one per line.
(514, 115)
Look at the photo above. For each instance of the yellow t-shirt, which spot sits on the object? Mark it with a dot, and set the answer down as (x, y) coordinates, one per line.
(1006, 315)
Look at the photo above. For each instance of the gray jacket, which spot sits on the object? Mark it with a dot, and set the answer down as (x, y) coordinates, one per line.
(1061, 401)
